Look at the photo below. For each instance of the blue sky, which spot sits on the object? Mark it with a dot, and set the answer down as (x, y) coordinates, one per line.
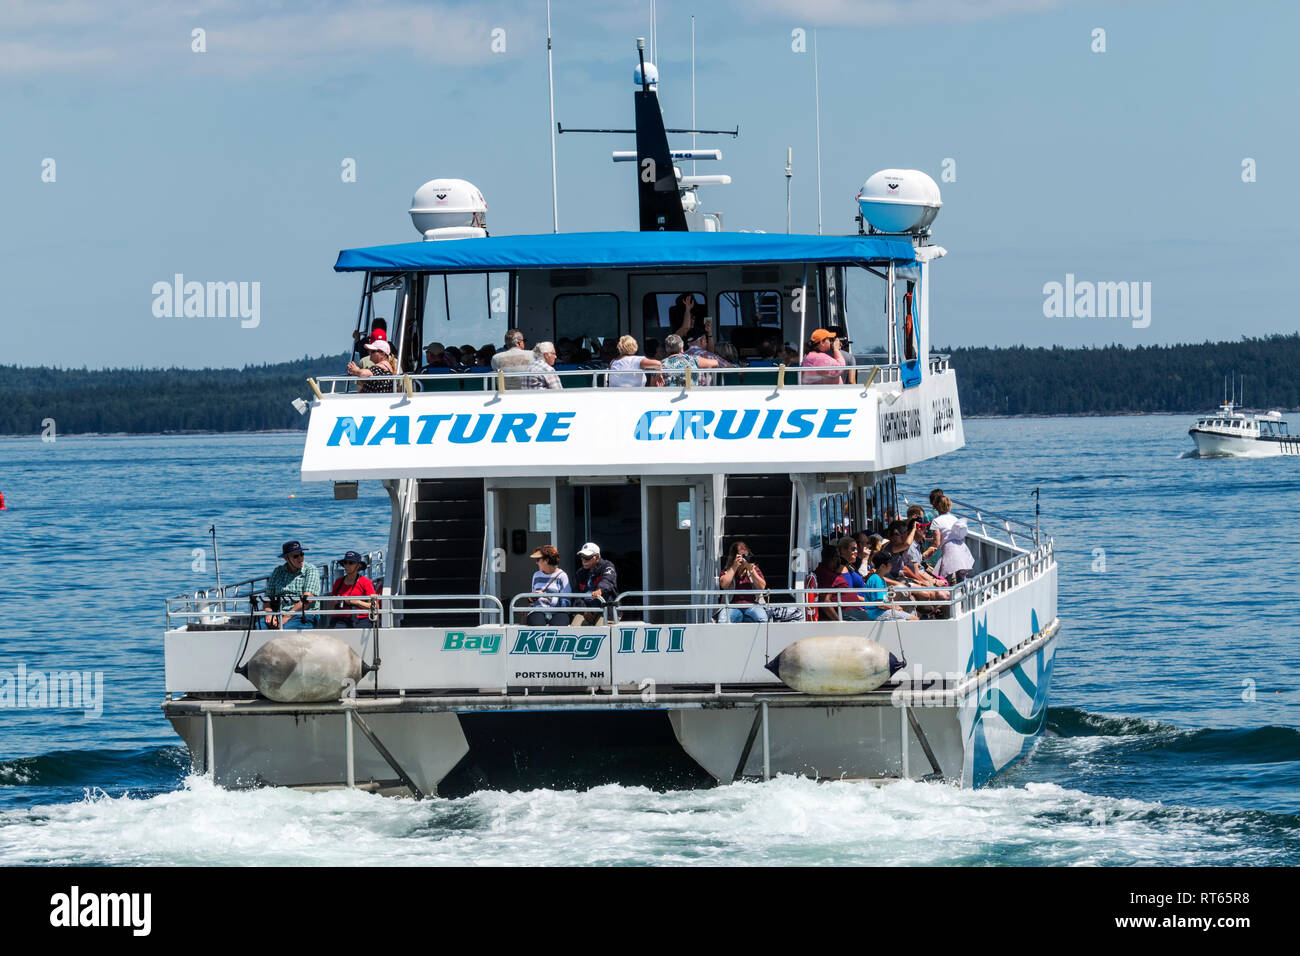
(225, 165)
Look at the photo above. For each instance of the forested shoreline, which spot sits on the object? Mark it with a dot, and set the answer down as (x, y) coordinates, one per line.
(1179, 379)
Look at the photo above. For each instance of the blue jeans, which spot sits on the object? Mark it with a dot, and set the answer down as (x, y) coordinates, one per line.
(754, 613)
(548, 618)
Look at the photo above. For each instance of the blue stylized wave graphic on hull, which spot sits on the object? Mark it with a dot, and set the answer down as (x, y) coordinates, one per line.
(993, 701)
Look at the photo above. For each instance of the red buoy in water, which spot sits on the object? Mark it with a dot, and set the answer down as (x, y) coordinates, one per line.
(2, 501)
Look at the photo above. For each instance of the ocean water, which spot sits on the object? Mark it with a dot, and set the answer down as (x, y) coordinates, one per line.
(1172, 737)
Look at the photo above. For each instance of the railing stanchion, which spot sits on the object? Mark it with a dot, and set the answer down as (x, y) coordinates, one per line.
(902, 735)
(209, 748)
(348, 745)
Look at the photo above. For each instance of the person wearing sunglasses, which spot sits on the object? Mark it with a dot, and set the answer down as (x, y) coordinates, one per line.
(291, 589)
(353, 590)
(549, 581)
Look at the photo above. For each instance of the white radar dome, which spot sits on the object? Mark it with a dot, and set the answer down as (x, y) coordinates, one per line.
(449, 209)
(899, 200)
(651, 75)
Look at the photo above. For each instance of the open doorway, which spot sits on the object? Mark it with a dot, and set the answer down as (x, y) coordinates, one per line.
(610, 516)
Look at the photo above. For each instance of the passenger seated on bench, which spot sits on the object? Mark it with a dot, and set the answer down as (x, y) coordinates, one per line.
(826, 573)
(381, 363)
(823, 353)
(436, 357)
(743, 578)
(291, 588)
(848, 577)
(513, 358)
(549, 581)
(915, 556)
(628, 370)
(541, 373)
(877, 593)
(868, 545)
(904, 570)
(678, 360)
(597, 586)
(926, 554)
(353, 590)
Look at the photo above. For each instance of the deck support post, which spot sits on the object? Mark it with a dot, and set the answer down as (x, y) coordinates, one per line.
(348, 746)
(209, 748)
(902, 736)
(767, 745)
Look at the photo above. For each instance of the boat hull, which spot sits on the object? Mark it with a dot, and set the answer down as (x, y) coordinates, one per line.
(963, 729)
(1216, 445)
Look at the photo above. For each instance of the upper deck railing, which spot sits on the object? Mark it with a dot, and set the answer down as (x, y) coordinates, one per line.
(596, 375)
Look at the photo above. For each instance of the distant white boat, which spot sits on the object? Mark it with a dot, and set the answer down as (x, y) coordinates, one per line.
(1232, 433)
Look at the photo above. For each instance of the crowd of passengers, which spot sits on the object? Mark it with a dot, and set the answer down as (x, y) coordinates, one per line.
(918, 560)
(919, 557)
(827, 359)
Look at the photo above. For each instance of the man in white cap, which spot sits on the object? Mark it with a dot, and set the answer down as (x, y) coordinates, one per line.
(597, 585)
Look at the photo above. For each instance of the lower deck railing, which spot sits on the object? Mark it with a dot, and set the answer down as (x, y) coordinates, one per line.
(245, 605)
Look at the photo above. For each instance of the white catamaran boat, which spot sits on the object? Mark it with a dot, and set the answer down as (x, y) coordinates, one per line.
(449, 688)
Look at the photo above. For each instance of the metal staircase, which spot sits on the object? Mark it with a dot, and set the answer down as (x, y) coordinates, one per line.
(445, 553)
(757, 511)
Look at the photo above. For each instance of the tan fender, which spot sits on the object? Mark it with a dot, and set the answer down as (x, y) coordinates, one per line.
(834, 665)
(303, 667)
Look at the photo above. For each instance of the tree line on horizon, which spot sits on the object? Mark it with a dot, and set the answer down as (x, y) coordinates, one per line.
(1109, 380)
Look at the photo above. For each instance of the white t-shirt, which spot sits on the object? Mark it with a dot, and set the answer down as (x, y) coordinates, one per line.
(625, 372)
(952, 533)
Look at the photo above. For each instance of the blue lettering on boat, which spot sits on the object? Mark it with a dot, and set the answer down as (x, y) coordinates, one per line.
(509, 427)
(580, 647)
(732, 425)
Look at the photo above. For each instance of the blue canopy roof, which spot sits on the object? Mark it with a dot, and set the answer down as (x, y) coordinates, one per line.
(628, 250)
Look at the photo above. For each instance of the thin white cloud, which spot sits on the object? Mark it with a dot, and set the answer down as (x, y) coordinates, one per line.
(864, 13)
(244, 36)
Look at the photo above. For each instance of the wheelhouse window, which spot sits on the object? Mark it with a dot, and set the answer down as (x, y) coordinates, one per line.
(746, 319)
(464, 308)
(662, 314)
(583, 324)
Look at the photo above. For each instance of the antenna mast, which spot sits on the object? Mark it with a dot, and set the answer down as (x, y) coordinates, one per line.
(550, 82)
(817, 97)
(789, 161)
(654, 34)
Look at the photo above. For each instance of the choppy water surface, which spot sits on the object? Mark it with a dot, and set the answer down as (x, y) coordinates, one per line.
(1172, 736)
